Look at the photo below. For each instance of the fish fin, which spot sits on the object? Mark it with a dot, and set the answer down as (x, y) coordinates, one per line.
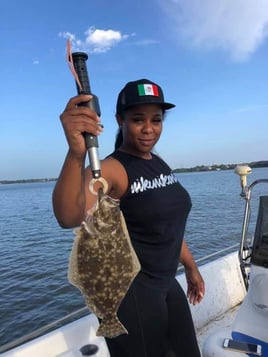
(111, 327)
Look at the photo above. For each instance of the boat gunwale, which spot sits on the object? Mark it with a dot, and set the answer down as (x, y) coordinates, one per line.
(84, 311)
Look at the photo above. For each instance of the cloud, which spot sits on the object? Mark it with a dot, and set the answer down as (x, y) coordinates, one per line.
(238, 27)
(96, 40)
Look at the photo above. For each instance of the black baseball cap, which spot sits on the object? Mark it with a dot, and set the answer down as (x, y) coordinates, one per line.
(142, 91)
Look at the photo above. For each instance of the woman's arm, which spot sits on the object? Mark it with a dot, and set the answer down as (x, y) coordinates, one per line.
(69, 195)
(195, 282)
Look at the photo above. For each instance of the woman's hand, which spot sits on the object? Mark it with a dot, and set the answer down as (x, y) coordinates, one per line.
(195, 285)
(79, 119)
(195, 282)
(69, 195)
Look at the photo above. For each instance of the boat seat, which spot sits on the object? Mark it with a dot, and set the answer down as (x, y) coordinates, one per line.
(259, 294)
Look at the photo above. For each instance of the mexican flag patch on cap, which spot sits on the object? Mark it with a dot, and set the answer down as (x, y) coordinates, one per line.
(148, 89)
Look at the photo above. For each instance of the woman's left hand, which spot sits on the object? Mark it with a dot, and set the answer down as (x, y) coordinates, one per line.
(196, 285)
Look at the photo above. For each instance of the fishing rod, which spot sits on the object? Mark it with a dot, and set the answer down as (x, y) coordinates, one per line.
(78, 66)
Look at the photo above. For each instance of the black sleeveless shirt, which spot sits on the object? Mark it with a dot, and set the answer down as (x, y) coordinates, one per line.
(155, 208)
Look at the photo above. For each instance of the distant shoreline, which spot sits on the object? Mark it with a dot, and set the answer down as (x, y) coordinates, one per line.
(219, 167)
(6, 182)
(216, 167)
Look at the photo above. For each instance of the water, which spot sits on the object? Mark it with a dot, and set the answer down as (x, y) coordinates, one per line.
(34, 289)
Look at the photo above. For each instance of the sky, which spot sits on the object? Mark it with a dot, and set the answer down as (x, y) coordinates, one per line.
(210, 58)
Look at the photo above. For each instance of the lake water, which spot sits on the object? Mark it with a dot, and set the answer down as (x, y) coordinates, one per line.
(34, 250)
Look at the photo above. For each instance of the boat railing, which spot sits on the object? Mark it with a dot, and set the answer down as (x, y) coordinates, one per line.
(212, 256)
(245, 248)
(73, 316)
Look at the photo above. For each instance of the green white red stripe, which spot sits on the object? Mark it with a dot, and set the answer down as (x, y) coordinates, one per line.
(148, 89)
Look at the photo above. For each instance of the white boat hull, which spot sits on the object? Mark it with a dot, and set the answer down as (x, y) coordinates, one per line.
(224, 290)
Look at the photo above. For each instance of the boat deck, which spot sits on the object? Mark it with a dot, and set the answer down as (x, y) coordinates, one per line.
(220, 322)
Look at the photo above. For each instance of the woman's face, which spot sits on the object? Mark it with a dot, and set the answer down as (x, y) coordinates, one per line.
(141, 128)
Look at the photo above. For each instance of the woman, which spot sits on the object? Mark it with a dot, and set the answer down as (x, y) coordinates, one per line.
(155, 310)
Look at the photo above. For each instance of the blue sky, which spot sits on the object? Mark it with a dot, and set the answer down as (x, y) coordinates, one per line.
(210, 57)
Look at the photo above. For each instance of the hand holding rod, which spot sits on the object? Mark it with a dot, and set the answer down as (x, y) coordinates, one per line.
(79, 62)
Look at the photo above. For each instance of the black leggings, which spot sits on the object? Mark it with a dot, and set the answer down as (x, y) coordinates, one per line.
(158, 320)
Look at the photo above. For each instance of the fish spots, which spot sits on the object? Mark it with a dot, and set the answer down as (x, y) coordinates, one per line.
(103, 263)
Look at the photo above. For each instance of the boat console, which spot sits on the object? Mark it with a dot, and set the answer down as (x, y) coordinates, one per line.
(260, 245)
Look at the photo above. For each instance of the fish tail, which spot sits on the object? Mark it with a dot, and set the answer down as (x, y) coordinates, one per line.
(111, 327)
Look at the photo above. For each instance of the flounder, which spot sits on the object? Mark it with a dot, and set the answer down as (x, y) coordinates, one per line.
(103, 263)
